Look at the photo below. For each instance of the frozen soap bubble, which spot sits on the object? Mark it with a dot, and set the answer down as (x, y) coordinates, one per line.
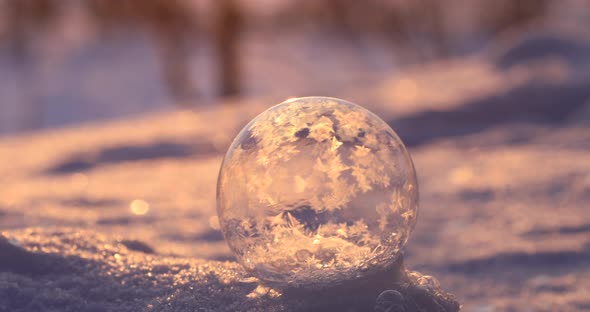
(316, 191)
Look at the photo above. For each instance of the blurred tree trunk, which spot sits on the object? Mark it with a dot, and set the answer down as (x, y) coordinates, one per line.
(434, 17)
(24, 19)
(174, 48)
(172, 26)
(502, 15)
(227, 28)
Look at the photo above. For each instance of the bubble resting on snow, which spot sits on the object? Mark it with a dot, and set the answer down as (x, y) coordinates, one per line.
(315, 191)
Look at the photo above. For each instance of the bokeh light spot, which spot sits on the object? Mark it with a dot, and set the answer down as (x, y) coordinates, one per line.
(139, 207)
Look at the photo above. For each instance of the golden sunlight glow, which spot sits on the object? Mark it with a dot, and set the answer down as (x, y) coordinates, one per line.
(139, 207)
(461, 176)
(79, 180)
(214, 222)
(405, 90)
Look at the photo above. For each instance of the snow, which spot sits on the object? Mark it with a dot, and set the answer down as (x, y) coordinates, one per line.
(502, 163)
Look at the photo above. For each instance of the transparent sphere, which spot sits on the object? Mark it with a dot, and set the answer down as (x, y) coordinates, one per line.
(316, 191)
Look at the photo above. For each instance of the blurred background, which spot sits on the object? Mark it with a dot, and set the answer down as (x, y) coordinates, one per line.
(66, 61)
(115, 116)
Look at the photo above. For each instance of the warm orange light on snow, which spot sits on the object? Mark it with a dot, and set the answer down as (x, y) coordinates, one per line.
(214, 222)
(79, 180)
(461, 176)
(405, 90)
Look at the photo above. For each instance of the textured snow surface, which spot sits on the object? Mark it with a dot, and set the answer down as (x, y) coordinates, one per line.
(120, 216)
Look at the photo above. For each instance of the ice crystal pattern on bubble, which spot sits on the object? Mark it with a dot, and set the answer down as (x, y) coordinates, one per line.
(315, 191)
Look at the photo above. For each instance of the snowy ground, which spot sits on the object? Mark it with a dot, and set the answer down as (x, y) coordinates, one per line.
(120, 215)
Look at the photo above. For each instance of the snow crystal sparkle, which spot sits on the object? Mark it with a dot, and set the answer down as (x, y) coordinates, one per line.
(316, 191)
